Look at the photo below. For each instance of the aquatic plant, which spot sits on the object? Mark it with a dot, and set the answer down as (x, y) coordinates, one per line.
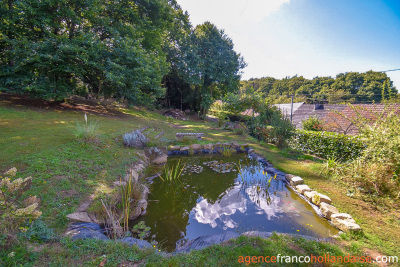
(141, 230)
(172, 174)
(227, 151)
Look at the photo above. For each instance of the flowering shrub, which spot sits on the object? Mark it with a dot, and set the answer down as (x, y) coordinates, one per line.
(13, 211)
(327, 145)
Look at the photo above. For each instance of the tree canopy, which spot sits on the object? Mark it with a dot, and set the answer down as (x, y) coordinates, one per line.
(125, 49)
(351, 87)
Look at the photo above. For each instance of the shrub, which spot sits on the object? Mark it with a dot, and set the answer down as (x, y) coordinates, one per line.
(135, 139)
(87, 132)
(327, 145)
(313, 123)
(13, 211)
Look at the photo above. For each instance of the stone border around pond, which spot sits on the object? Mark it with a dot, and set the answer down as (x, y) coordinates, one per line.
(216, 148)
(342, 221)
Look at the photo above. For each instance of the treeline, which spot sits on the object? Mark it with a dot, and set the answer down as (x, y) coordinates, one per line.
(351, 87)
(143, 51)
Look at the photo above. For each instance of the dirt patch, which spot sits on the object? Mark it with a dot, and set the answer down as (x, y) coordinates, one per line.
(100, 107)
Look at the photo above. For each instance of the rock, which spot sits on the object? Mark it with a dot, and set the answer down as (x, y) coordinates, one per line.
(79, 217)
(327, 210)
(139, 168)
(318, 198)
(250, 151)
(185, 148)
(206, 241)
(86, 230)
(344, 222)
(208, 146)
(138, 242)
(309, 195)
(145, 191)
(134, 213)
(142, 204)
(288, 177)
(195, 147)
(162, 159)
(227, 145)
(174, 148)
(296, 180)
(302, 188)
(217, 145)
(245, 145)
(134, 174)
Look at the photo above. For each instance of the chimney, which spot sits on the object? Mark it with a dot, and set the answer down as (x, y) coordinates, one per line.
(318, 106)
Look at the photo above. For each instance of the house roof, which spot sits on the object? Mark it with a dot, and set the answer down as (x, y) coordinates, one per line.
(285, 108)
(307, 110)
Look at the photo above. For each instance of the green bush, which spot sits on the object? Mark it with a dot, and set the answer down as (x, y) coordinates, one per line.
(327, 145)
(313, 123)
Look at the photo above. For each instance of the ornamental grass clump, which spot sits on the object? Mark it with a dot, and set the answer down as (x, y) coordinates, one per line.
(87, 132)
(14, 211)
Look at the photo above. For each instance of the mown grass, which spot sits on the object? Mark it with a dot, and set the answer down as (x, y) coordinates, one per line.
(40, 143)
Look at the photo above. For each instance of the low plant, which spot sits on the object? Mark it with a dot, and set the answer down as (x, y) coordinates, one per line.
(14, 211)
(135, 139)
(227, 151)
(140, 230)
(87, 131)
(173, 173)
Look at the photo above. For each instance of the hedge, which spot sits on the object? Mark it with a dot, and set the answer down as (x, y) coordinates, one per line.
(327, 145)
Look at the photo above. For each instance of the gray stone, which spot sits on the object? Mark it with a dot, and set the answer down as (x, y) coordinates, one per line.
(288, 177)
(174, 148)
(296, 180)
(185, 148)
(318, 198)
(133, 241)
(79, 217)
(195, 147)
(345, 222)
(327, 210)
(134, 213)
(302, 188)
(208, 146)
(250, 151)
(309, 195)
(162, 159)
(86, 230)
(142, 204)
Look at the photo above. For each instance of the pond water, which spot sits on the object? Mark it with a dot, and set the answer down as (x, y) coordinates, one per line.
(210, 200)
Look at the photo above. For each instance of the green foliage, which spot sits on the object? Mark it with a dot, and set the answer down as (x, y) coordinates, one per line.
(172, 174)
(313, 123)
(140, 230)
(327, 145)
(13, 211)
(86, 132)
(376, 171)
(348, 87)
(39, 232)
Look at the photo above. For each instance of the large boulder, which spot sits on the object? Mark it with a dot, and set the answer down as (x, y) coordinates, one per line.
(327, 210)
(206, 241)
(133, 241)
(345, 222)
(195, 147)
(135, 212)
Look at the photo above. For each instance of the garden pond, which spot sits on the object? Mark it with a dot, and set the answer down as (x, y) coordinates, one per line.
(216, 193)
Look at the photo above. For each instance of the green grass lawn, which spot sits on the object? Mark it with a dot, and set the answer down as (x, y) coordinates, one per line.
(39, 141)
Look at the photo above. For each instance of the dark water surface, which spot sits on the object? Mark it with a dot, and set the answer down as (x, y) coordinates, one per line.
(210, 202)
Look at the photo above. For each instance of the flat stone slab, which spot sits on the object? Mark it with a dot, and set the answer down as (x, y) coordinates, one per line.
(206, 241)
(345, 222)
(327, 210)
(79, 217)
(185, 148)
(302, 188)
(310, 194)
(296, 180)
(318, 198)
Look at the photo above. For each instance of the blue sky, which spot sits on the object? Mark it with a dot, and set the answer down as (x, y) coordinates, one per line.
(280, 38)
